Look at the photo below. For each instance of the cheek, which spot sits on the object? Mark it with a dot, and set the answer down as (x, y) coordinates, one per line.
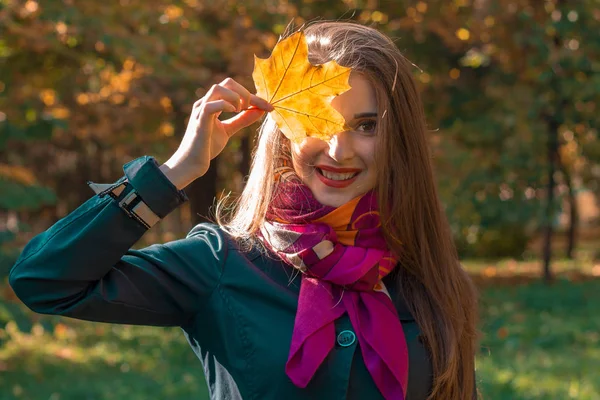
(371, 162)
(299, 161)
(367, 151)
(305, 153)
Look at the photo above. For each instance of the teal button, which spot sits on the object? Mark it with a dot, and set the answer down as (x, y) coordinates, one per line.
(346, 338)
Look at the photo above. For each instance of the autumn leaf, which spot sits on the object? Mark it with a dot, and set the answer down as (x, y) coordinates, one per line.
(300, 92)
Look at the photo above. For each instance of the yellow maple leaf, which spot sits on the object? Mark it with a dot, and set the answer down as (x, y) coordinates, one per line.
(300, 92)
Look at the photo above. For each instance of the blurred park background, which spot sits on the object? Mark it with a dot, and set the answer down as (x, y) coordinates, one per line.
(512, 93)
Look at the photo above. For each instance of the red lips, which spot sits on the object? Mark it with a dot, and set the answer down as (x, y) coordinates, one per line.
(338, 170)
(333, 183)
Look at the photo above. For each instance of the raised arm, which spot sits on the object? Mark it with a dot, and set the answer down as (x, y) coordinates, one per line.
(83, 267)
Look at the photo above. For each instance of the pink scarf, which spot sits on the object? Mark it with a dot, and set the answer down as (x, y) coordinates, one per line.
(343, 256)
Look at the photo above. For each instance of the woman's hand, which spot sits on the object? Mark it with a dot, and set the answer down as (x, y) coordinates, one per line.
(206, 136)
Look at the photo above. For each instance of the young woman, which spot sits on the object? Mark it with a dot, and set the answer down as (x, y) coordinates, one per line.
(334, 276)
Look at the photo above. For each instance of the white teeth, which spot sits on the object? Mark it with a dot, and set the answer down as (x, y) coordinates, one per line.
(335, 176)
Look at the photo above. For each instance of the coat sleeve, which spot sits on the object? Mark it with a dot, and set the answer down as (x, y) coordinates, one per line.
(83, 266)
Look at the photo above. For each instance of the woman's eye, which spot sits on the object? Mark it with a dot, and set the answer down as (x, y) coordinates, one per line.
(367, 126)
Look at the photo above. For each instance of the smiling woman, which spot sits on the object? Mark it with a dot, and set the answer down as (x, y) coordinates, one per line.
(385, 146)
(333, 276)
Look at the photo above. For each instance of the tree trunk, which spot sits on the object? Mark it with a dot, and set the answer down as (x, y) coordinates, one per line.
(573, 213)
(552, 118)
(549, 214)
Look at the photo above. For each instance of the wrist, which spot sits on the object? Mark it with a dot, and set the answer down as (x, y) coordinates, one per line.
(179, 179)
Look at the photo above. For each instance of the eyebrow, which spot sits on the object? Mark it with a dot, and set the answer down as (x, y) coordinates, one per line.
(365, 115)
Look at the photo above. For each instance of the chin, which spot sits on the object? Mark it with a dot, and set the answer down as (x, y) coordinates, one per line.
(332, 201)
(335, 199)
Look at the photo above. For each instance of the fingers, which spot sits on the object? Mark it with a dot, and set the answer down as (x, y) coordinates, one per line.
(247, 99)
(218, 92)
(236, 94)
(260, 103)
(230, 96)
(242, 92)
(213, 108)
(242, 120)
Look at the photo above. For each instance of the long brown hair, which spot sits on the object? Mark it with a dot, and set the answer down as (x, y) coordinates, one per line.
(436, 289)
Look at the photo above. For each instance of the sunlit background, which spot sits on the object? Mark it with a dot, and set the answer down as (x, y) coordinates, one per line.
(511, 89)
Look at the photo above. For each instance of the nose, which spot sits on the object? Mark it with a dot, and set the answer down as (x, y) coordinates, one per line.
(341, 147)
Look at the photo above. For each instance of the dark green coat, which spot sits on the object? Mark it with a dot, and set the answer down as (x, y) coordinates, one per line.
(236, 308)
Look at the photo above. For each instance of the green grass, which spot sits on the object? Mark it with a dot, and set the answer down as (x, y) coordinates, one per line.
(538, 342)
(67, 359)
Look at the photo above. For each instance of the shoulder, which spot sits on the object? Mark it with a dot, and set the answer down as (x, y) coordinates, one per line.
(221, 243)
(212, 232)
(211, 237)
(206, 228)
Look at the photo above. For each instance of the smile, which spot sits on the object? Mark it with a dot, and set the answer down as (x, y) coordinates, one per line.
(336, 179)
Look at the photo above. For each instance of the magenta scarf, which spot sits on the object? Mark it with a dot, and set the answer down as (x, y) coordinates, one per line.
(343, 256)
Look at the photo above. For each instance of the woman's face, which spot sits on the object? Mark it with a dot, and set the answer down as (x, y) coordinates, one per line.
(343, 168)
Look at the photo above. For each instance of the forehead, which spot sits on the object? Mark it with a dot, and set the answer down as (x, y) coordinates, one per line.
(359, 99)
